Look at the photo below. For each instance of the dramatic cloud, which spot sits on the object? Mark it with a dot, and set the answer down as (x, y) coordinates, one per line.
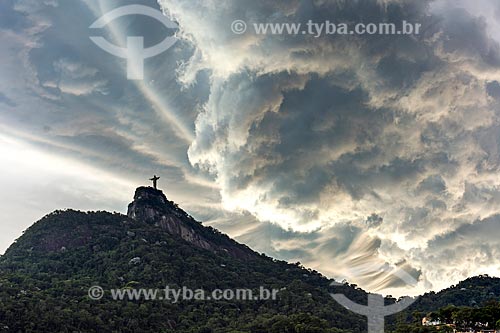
(395, 137)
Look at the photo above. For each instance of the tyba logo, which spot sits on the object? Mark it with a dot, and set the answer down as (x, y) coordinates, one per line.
(135, 53)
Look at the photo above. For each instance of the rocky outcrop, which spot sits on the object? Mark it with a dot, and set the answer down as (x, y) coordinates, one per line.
(152, 206)
(149, 205)
(175, 226)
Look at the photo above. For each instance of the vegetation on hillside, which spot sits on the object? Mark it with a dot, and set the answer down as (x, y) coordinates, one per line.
(461, 318)
(45, 276)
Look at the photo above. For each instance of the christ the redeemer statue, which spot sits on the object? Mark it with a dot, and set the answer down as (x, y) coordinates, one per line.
(154, 180)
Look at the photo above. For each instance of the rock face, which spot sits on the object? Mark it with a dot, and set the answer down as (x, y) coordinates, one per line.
(149, 204)
(152, 206)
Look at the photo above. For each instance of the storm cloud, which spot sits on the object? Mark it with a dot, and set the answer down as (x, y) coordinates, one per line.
(313, 134)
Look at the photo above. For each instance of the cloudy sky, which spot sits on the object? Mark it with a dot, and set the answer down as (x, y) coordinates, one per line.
(370, 158)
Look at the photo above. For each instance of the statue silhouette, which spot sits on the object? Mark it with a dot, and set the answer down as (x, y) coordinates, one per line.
(154, 180)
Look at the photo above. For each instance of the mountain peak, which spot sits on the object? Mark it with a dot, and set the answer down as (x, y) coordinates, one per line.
(151, 206)
(148, 191)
